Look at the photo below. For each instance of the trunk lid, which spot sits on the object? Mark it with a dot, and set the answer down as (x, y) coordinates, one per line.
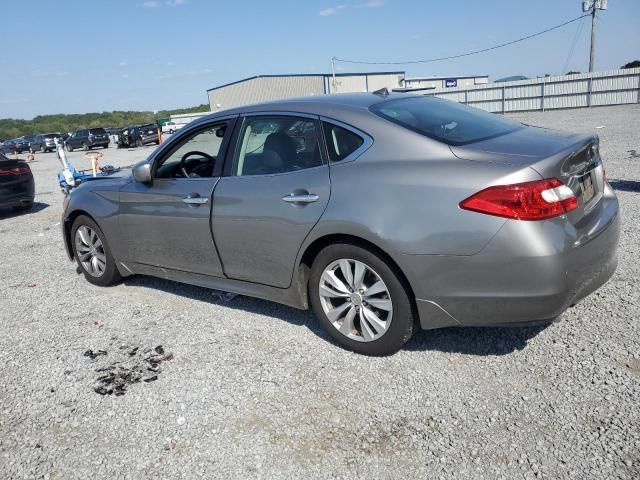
(573, 159)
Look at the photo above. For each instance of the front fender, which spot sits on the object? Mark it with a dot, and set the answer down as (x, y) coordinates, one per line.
(97, 199)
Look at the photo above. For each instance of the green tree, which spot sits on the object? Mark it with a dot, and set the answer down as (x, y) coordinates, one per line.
(13, 128)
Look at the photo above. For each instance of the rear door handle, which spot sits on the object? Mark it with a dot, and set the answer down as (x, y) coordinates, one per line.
(195, 200)
(303, 198)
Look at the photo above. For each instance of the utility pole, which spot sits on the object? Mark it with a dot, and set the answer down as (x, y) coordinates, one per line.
(593, 6)
(593, 36)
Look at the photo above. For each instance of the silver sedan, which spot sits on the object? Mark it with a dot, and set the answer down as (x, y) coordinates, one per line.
(384, 213)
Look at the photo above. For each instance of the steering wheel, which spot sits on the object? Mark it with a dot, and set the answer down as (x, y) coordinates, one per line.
(188, 154)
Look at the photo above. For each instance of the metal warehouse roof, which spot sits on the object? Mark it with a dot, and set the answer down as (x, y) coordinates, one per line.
(342, 74)
(460, 77)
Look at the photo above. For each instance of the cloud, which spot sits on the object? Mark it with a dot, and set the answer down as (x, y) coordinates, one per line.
(125, 75)
(327, 12)
(151, 4)
(176, 3)
(372, 4)
(123, 64)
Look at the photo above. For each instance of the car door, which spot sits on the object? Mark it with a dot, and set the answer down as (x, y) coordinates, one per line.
(166, 222)
(276, 189)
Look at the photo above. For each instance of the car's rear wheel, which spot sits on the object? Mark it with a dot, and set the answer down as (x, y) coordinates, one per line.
(31, 150)
(69, 148)
(42, 149)
(85, 146)
(139, 143)
(360, 300)
(92, 252)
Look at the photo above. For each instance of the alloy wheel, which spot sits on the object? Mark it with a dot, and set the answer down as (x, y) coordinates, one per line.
(355, 300)
(90, 251)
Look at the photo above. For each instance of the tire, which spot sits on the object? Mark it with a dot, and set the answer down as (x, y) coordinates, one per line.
(170, 132)
(106, 146)
(85, 146)
(69, 148)
(32, 151)
(139, 143)
(398, 308)
(109, 274)
(42, 149)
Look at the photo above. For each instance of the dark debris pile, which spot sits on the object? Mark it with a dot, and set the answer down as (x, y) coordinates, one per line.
(133, 365)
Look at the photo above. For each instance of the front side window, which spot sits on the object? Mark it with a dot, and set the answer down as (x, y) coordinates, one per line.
(278, 144)
(340, 142)
(445, 121)
(194, 156)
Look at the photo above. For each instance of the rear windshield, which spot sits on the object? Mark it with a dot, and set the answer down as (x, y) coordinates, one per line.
(96, 131)
(443, 120)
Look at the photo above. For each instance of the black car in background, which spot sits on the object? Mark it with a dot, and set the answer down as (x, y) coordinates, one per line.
(16, 184)
(87, 138)
(22, 144)
(45, 142)
(138, 135)
(8, 146)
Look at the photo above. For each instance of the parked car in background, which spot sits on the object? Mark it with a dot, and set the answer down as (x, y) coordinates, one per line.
(171, 127)
(16, 184)
(125, 137)
(8, 147)
(87, 138)
(384, 213)
(21, 144)
(45, 142)
(138, 135)
(147, 134)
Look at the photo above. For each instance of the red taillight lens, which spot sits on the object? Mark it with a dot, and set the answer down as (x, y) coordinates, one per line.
(16, 171)
(524, 201)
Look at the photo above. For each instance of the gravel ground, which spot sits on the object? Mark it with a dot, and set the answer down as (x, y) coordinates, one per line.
(251, 389)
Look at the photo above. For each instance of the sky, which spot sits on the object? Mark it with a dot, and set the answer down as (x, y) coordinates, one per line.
(73, 56)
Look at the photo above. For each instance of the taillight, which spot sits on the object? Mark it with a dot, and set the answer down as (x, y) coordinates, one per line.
(524, 201)
(16, 171)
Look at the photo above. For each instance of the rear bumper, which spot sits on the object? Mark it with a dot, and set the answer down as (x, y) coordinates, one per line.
(529, 272)
(18, 193)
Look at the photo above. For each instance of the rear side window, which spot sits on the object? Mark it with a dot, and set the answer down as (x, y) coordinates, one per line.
(445, 121)
(278, 144)
(340, 142)
(97, 131)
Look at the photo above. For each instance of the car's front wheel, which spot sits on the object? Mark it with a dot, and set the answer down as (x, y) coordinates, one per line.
(360, 300)
(92, 252)
(69, 148)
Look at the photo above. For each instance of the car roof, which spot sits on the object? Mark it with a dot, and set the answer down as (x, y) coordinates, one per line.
(319, 105)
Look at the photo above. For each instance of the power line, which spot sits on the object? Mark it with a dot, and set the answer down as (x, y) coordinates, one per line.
(573, 45)
(475, 52)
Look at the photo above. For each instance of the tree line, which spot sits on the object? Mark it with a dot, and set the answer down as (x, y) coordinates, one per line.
(14, 128)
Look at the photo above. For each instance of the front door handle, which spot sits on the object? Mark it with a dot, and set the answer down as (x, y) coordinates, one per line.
(195, 200)
(301, 199)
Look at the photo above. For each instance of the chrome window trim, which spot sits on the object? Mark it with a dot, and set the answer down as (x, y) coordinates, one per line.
(368, 140)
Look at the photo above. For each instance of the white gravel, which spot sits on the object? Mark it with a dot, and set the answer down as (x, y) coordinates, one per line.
(257, 390)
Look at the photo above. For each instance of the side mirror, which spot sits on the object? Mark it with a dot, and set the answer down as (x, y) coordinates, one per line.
(142, 172)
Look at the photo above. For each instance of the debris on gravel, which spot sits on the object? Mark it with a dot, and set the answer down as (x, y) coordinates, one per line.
(127, 366)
